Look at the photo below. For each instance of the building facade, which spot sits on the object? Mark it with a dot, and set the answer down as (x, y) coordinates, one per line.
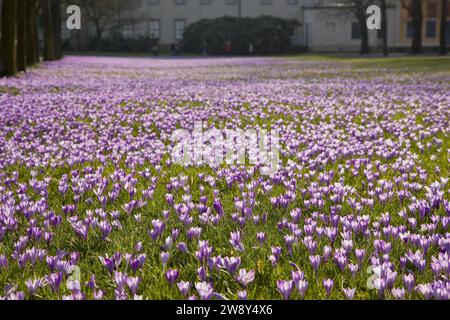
(167, 19)
(431, 25)
(325, 25)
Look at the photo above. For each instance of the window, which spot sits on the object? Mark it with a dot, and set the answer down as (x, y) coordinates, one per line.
(152, 2)
(180, 25)
(409, 30)
(231, 2)
(154, 29)
(265, 2)
(356, 31)
(205, 2)
(430, 29)
(180, 2)
(127, 30)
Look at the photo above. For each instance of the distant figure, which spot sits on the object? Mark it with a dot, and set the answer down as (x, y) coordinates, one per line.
(205, 48)
(177, 49)
(251, 48)
(227, 48)
(155, 48)
(172, 49)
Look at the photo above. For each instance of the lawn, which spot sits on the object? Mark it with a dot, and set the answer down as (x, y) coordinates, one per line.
(93, 204)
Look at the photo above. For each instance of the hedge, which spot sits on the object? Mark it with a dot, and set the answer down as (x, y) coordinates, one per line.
(269, 35)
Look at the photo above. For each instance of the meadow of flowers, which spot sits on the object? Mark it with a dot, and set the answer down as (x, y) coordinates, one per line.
(92, 206)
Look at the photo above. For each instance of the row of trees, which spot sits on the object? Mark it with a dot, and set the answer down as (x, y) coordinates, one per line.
(414, 8)
(105, 15)
(20, 26)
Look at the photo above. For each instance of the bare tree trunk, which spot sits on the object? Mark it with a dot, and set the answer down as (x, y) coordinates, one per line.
(49, 34)
(443, 40)
(37, 11)
(417, 18)
(31, 25)
(384, 28)
(31, 32)
(21, 36)
(360, 13)
(99, 33)
(365, 49)
(56, 17)
(8, 45)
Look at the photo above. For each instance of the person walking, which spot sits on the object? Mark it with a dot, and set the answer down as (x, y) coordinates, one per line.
(251, 48)
(205, 48)
(155, 48)
(227, 48)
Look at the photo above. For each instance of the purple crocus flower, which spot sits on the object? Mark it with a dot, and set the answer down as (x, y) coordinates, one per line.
(98, 294)
(349, 293)
(204, 289)
(105, 229)
(242, 295)
(398, 293)
(194, 233)
(54, 280)
(297, 275)
(285, 287)
(409, 282)
(169, 199)
(360, 253)
(91, 284)
(328, 285)
(184, 287)
(172, 276)
(138, 247)
(164, 258)
(202, 274)
(218, 206)
(231, 264)
(326, 253)
(426, 290)
(121, 280)
(204, 251)
(244, 277)
(261, 237)
(302, 287)
(182, 247)
(341, 260)
(235, 240)
(107, 262)
(133, 284)
(34, 285)
(315, 262)
(3, 262)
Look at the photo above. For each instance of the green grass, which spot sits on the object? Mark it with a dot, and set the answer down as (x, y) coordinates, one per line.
(9, 90)
(425, 63)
